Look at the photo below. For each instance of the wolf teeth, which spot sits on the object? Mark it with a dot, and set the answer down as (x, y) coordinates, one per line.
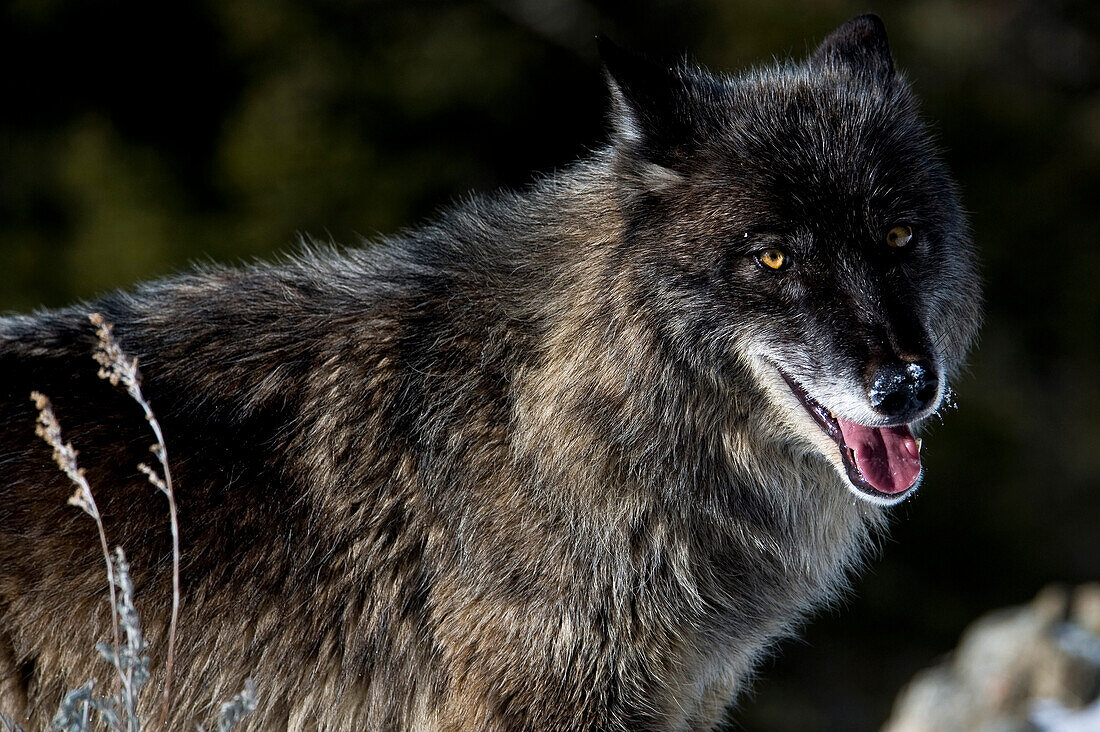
(919, 443)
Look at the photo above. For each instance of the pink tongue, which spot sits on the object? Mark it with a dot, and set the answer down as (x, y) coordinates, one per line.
(888, 457)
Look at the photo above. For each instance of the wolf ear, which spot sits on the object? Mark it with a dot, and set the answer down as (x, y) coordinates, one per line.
(859, 46)
(650, 110)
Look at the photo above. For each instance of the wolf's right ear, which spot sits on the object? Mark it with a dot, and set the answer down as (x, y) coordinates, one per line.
(650, 110)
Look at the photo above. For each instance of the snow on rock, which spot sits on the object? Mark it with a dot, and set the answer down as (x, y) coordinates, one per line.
(1034, 667)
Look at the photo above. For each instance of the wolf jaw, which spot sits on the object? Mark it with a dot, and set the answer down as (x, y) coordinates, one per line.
(879, 463)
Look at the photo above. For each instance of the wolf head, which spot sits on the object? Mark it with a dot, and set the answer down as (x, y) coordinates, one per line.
(795, 224)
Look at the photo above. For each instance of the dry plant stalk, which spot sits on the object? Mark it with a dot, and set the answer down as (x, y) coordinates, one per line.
(64, 455)
(124, 658)
(117, 368)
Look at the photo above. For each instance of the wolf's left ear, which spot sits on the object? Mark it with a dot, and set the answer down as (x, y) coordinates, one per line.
(859, 46)
(651, 113)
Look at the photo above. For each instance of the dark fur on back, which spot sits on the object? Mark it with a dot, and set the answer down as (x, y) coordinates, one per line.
(515, 469)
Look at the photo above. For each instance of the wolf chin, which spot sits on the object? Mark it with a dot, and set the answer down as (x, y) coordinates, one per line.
(564, 459)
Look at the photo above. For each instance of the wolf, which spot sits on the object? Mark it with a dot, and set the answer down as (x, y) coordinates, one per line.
(569, 458)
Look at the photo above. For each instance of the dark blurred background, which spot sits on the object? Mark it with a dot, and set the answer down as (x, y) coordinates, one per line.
(136, 138)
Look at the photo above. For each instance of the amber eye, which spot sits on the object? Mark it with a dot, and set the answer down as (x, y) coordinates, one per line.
(899, 236)
(775, 259)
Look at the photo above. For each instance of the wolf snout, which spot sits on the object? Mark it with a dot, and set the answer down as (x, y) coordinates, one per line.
(902, 390)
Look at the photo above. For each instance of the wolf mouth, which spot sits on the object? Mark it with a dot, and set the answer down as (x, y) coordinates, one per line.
(882, 462)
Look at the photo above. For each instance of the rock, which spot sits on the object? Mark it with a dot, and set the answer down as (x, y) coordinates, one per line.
(1035, 667)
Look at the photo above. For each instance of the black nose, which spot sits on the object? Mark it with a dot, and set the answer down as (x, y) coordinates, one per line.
(901, 390)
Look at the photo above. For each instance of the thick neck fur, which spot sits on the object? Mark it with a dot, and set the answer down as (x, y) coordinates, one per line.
(611, 408)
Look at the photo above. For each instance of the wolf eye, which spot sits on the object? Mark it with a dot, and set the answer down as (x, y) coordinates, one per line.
(775, 259)
(899, 236)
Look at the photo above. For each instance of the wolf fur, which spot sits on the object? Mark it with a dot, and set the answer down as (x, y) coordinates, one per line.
(531, 466)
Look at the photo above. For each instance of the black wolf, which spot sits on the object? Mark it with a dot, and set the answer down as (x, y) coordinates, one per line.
(564, 459)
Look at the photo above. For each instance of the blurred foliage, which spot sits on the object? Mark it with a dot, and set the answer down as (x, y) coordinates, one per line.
(138, 137)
